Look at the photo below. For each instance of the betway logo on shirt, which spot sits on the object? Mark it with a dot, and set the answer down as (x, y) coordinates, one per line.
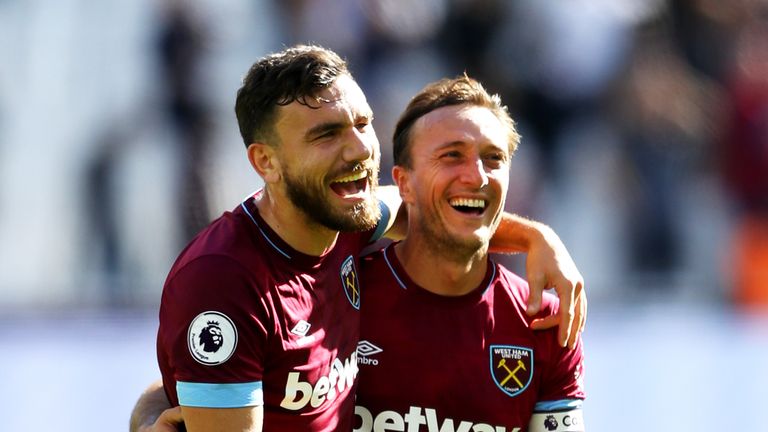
(417, 417)
(299, 393)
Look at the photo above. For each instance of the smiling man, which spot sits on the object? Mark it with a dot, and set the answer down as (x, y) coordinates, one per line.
(277, 277)
(451, 348)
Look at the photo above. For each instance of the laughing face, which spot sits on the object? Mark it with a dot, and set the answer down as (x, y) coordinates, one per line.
(458, 180)
(329, 156)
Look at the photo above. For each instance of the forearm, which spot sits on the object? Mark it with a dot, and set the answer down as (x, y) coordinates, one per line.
(246, 419)
(148, 408)
(517, 234)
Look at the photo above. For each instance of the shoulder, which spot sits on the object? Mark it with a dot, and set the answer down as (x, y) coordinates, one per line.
(225, 245)
(210, 276)
(519, 287)
(378, 278)
(513, 284)
(359, 240)
(373, 255)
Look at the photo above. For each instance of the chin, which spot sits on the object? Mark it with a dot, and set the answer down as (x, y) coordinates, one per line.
(472, 244)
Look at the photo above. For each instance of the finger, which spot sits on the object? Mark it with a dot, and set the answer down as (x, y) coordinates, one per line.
(565, 291)
(579, 321)
(574, 336)
(583, 312)
(171, 416)
(537, 286)
(545, 323)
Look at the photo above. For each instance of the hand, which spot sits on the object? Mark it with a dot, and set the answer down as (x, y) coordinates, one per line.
(550, 265)
(168, 421)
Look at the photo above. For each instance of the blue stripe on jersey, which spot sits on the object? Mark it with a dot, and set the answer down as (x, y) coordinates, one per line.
(558, 405)
(493, 275)
(392, 269)
(203, 395)
(262, 231)
(381, 227)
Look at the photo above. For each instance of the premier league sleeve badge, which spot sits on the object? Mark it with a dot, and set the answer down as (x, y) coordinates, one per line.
(212, 338)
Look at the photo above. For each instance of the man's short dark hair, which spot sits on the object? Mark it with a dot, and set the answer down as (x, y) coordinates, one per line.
(296, 74)
(446, 92)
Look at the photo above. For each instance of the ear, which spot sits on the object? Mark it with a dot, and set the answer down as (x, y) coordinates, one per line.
(263, 158)
(402, 176)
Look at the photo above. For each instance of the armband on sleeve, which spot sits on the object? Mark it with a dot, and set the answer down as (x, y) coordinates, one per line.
(557, 416)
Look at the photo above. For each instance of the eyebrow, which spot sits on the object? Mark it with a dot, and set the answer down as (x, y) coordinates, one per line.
(460, 144)
(322, 128)
(451, 144)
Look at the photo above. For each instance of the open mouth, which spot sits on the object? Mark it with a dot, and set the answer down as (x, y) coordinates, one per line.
(350, 185)
(469, 205)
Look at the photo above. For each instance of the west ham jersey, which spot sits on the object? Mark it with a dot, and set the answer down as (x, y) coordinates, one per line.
(245, 320)
(437, 363)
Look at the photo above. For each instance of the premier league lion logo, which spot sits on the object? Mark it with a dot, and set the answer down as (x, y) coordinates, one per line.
(550, 423)
(211, 338)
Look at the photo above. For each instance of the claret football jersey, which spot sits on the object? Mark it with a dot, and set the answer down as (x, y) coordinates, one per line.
(245, 320)
(437, 363)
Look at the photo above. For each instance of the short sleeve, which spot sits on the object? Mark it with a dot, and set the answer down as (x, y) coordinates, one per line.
(565, 372)
(214, 326)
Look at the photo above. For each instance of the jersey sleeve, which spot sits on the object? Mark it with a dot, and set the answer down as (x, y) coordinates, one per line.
(386, 220)
(214, 326)
(559, 404)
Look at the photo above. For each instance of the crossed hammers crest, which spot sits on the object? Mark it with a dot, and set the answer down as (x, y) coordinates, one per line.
(511, 373)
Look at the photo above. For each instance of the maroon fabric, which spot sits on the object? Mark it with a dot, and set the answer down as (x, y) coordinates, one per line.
(441, 357)
(236, 267)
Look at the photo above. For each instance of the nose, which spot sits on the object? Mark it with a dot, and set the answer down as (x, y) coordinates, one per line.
(360, 146)
(473, 173)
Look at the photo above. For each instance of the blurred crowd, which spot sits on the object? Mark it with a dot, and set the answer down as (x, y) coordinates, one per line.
(644, 123)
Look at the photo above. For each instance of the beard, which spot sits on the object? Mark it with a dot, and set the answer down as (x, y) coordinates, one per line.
(312, 200)
(440, 238)
(451, 247)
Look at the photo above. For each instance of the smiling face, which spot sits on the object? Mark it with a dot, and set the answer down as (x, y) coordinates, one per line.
(328, 157)
(458, 178)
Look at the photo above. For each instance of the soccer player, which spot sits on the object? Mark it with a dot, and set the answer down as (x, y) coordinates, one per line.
(447, 344)
(259, 316)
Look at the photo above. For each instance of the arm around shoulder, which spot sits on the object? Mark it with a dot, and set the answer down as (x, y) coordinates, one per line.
(548, 265)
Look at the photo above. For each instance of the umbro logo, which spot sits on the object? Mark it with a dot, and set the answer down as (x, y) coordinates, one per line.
(301, 328)
(365, 350)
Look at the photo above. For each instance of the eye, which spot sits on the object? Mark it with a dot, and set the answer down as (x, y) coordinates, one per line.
(327, 134)
(363, 123)
(496, 158)
(452, 154)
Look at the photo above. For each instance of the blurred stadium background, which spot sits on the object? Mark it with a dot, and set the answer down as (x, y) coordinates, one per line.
(645, 145)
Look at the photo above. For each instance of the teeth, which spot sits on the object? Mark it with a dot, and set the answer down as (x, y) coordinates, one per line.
(467, 202)
(352, 177)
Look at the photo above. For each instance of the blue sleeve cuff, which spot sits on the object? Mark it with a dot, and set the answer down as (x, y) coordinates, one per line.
(558, 405)
(203, 395)
(384, 222)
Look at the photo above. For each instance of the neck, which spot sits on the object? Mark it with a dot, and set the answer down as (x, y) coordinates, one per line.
(294, 226)
(448, 274)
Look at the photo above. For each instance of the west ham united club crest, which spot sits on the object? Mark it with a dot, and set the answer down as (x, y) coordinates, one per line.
(511, 368)
(212, 338)
(349, 281)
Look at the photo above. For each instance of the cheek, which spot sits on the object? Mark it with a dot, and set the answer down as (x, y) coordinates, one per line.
(311, 166)
(373, 142)
(501, 179)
